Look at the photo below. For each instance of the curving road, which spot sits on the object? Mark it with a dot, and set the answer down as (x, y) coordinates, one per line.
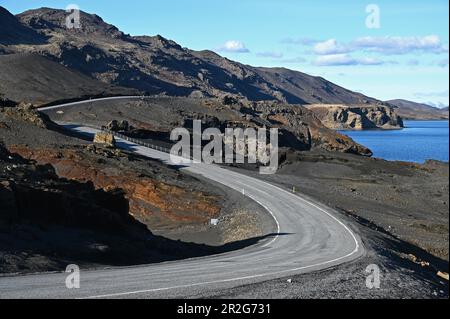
(309, 238)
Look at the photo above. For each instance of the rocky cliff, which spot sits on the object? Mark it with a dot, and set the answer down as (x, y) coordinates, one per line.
(342, 117)
(35, 193)
(301, 129)
(154, 203)
(48, 222)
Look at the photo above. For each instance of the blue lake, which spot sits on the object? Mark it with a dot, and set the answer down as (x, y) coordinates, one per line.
(417, 142)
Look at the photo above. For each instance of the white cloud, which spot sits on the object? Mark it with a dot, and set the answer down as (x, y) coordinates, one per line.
(383, 45)
(439, 105)
(400, 45)
(440, 98)
(329, 47)
(442, 63)
(300, 41)
(413, 62)
(432, 94)
(233, 46)
(270, 54)
(294, 60)
(345, 60)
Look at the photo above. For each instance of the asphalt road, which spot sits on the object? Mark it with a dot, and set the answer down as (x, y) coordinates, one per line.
(309, 238)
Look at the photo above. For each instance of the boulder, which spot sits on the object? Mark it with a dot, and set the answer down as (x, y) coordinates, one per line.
(117, 126)
(105, 139)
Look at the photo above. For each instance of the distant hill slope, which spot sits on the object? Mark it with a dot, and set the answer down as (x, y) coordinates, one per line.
(418, 111)
(35, 79)
(14, 32)
(160, 66)
(311, 89)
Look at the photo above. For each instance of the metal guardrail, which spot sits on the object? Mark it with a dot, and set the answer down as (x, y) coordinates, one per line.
(136, 141)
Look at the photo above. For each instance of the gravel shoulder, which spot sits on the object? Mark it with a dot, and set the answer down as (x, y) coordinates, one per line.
(385, 201)
(399, 279)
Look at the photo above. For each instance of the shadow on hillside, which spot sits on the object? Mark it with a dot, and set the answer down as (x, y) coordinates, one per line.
(54, 247)
(67, 131)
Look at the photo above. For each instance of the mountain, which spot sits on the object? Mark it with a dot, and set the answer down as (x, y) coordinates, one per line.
(38, 80)
(14, 32)
(156, 65)
(96, 59)
(418, 111)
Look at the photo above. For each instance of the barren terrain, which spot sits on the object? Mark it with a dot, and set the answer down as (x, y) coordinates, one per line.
(164, 201)
(65, 200)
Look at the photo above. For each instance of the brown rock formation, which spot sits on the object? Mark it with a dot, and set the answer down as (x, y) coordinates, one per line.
(301, 129)
(30, 192)
(343, 117)
(26, 112)
(152, 202)
(48, 222)
(105, 139)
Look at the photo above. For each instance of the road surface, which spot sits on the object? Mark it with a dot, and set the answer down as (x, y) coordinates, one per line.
(309, 237)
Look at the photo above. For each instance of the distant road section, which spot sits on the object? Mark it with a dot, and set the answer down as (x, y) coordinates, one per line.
(60, 106)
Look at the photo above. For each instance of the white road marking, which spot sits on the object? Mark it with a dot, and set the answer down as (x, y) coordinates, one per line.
(217, 281)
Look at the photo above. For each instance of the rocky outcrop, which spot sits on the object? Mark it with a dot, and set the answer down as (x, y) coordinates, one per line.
(342, 117)
(155, 203)
(300, 128)
(117, 126)
(34, 193)
(26, 112)
(104, 139)
(48, 222)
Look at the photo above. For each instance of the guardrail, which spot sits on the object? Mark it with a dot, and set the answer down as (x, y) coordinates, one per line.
(136, 141)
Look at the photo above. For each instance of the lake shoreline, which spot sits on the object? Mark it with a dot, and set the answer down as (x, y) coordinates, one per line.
(417, 142)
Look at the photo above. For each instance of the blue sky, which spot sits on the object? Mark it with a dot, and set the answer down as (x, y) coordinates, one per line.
(406, 57)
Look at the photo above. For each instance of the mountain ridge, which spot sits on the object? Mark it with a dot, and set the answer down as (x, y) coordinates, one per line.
(410, 110)
(156, 65)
